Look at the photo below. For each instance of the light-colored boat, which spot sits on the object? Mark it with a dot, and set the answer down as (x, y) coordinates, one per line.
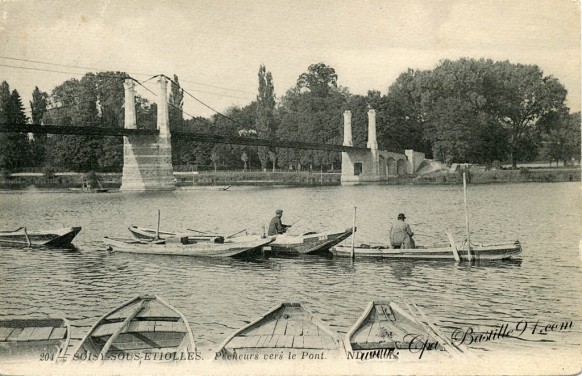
(184, 247)
(387, 330)
(60, 237)
(34, 339)
(478, 252)
(143, 328)
(147, 234)
(287, 330)
(308, 243)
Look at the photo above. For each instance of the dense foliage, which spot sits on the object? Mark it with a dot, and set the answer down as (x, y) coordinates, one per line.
(469, 110)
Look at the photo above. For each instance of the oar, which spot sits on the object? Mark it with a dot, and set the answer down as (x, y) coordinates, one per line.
(466, 217)
(353, 254)
(236, 233)
(158, 229)
(201, 232)
(27, 238)
(454, 246)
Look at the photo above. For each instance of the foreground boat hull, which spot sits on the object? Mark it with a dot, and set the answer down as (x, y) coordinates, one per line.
(140, 326)
(497, 252)
(288, 329)
(61, 237)
(202, 249)
(34, 339)
(310, 243)
(387, 330)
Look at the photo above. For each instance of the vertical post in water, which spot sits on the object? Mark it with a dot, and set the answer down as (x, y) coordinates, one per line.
(158, 229)
(466, 217)
(354, 234)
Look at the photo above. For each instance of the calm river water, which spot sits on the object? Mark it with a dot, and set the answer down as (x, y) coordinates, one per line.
(220, 295)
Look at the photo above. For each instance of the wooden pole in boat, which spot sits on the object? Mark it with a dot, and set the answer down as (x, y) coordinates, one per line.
(454, 246)
(466, 217)
(158, 229)
(354, 234)
(27, 238)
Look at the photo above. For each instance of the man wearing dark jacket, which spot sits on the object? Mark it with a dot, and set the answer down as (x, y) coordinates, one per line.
(276, 226)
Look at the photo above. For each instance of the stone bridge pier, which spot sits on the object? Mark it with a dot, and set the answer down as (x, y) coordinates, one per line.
(147, 160)
(374, 165)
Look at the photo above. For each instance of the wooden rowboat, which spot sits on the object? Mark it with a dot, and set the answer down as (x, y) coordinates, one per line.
(387, 330)
(287, 329)
(34, 339)
(148, 234)
(144, 325)
(183, 247)
(478, 252)
(308, 243)
(61, 237)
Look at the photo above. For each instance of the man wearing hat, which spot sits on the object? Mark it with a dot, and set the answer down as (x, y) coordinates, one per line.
(401, 234)
(276, 226)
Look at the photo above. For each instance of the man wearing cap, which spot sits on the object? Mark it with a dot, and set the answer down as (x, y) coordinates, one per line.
(276, 226)
(401, 234)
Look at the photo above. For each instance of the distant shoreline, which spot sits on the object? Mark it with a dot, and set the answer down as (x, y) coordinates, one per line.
(71, 182)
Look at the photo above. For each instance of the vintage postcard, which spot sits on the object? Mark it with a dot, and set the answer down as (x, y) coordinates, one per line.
(369, 187)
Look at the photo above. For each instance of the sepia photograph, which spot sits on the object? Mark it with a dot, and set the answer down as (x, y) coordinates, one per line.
(307, 187)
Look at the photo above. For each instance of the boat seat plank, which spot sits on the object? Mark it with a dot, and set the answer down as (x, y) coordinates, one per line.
(312, 342)
(138, 341)
(106, 329)
(264, 341)
(25, 334)
(14, 335)
(310, 329)
(120, 314)
(266, 329)
(156, 310)
(141, 326)
(236, 342)
(273, 341)
(58, 333)
(252, 341)
(41, 333)
(168, 326)
(298, 342)
(280, 327)
(5, 333)
(294, 328)
(284, 341)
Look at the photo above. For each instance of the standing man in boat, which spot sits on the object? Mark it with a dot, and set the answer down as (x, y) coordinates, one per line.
(401, 234)
(276, 226)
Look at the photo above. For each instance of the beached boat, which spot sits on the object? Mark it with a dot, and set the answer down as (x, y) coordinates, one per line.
(308, 243)
(144, 325)
(387, 330)
(478, 252)
(34, 339)
(286, 330)
(60, 237)
(182, 246)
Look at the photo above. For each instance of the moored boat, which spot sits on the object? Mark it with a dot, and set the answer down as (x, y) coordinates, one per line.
(185, 247)
(60, 237)
(387, 330)
(144, 325)
(287, 330)
(34, 339)
(141, 233)
(308, 243)
(478, 252)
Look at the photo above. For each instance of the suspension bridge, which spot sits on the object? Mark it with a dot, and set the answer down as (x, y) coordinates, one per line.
(148, 157)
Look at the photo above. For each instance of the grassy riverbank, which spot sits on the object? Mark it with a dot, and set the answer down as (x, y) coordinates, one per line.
(302, 179)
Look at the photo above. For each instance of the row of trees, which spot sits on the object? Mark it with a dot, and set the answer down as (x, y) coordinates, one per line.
(468, 110)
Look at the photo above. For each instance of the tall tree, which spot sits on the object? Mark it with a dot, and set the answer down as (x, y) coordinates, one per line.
(14, 147)
(561, 139)
(319, 79)
(38, 106)
(265, 118)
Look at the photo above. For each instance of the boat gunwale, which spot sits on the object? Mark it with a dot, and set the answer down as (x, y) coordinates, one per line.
(125, 305)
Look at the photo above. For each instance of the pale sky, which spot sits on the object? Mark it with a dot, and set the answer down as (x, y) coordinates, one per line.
(216, 46)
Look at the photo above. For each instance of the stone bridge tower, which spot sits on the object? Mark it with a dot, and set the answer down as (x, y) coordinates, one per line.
(147, 160)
